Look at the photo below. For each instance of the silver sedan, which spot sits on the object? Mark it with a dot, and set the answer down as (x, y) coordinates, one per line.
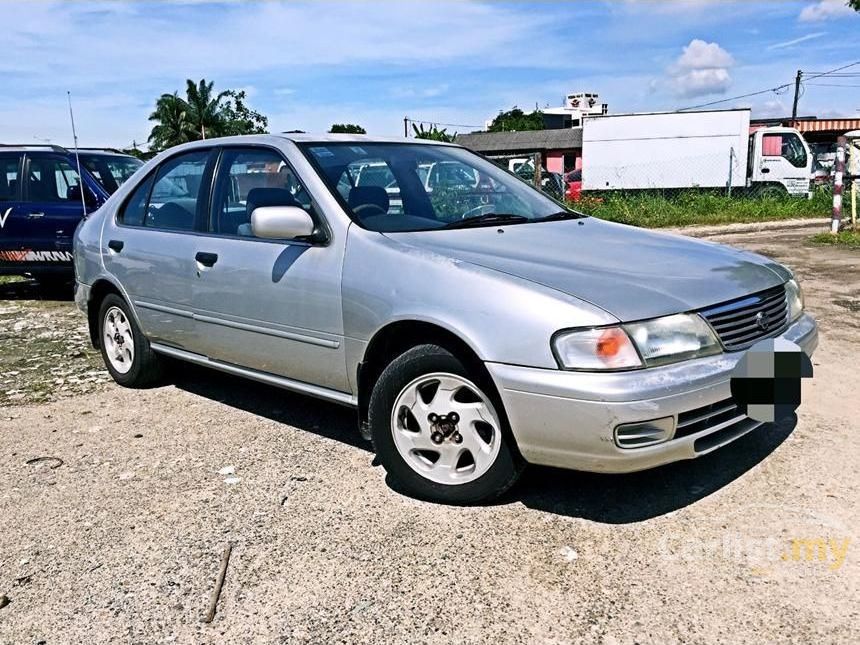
(475, 324)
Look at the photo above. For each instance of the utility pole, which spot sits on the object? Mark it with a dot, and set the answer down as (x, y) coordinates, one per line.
(796, 97)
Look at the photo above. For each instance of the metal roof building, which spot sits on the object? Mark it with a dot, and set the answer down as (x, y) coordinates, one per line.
(522, 142)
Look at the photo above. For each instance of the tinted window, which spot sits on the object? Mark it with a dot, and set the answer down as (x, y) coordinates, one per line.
(111, 171)
(135, 208)
(423, 187)
(9, 165)
(250, 178)
(50, 179)
(175, 194)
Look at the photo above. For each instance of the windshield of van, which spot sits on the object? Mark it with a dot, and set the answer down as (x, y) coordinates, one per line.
(420, 187)
(111, 171)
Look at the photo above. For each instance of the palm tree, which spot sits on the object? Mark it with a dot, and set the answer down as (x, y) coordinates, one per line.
(173, 125)
(204, 109)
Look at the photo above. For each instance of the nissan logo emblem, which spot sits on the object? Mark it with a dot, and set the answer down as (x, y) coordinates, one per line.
(762, 320)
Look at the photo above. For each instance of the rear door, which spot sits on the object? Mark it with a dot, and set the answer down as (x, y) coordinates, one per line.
(53, 206)
(151, 245)
(12, 220)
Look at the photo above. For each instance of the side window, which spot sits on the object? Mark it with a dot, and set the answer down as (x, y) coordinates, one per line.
(9, 165)
(369, 186)
(134, 211)
(786, 145)
(250, 178)
(50, 179)
(175, 194)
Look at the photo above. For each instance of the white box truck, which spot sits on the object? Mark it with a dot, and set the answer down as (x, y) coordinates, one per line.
(693, 150)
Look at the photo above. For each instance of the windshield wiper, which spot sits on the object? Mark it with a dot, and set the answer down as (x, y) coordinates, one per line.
(488, 219)
(560, 215)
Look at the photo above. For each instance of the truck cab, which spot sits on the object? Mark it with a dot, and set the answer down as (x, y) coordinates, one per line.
(780, 158)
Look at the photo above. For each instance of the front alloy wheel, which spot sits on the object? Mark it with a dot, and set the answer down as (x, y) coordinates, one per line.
(445, 428)
(439, 428)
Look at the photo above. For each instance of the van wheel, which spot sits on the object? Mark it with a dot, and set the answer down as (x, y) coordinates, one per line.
(125, 350)
(440, 431)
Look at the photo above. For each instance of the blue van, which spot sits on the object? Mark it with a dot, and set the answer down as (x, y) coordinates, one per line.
(41, 204)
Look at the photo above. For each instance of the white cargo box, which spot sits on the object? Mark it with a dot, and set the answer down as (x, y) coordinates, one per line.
(665, 150)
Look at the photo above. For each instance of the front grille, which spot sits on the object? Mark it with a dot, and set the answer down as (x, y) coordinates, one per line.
(740, 323)
(724, 420)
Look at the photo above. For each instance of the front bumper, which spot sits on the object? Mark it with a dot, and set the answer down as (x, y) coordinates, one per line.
(567, 419)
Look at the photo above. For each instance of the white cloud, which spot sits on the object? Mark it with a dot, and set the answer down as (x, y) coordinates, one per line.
(701, 69)
(701, 55)
(825, 10)
(797, 41)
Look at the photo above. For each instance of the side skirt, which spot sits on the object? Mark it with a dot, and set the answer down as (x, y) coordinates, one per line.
(342, 398)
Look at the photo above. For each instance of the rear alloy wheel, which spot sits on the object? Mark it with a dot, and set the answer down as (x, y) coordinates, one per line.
(439, 431)
(125, 350)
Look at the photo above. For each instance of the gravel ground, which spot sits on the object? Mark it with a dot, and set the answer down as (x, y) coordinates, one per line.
(122, 541)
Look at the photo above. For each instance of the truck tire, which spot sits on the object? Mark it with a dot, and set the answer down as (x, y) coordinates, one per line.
(126, 352)
(440, 431)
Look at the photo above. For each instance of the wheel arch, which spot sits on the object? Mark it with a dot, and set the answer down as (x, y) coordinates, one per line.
(99, 290)
(397, 337)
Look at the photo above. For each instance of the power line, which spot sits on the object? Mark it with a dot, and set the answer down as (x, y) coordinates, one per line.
(449, 125)
(834, 84)
(779, 89)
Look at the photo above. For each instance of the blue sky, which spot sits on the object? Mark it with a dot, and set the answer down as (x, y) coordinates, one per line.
(307, 65)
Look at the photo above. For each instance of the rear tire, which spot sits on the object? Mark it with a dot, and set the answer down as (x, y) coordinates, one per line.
(126, 352)
(440, 431)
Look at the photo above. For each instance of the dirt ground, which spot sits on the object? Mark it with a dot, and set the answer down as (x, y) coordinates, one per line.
(121, 541)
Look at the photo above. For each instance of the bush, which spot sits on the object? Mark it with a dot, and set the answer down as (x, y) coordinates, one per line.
(654, 210)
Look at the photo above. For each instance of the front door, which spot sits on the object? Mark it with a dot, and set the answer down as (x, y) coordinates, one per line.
(150, 247)
(783, 160)
(270, 305)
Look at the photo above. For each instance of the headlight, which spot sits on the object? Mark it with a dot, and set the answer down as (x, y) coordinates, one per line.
(673, 338)
(653, 342)
(794, 295)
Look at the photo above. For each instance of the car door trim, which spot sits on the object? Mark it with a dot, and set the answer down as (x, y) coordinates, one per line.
(343, 398)
(268, 331)
(163, 309)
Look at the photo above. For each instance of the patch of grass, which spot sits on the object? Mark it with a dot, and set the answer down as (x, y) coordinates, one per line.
(685, 209)
(844, 238)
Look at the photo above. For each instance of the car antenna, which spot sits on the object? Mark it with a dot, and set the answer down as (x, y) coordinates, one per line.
(77, 156)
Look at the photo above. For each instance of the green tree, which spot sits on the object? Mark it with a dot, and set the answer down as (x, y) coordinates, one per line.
(346, 128)
(172, 123)
(515, 120)
(854, 4)
(239, 118)
(433, 133)
(202, 114)
(205, 110)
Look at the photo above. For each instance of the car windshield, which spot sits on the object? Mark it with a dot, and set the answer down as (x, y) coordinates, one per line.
(420, 187)
(110, 170)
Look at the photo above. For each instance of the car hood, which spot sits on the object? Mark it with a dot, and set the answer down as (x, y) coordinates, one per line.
(630, 272)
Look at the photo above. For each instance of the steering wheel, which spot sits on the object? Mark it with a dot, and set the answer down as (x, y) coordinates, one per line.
(359, 210)
(477, 211)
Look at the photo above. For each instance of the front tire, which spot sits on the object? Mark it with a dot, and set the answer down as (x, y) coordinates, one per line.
(125, 350)
(440, 431)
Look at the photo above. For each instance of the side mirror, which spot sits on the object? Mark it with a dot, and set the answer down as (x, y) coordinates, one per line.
(281, 222)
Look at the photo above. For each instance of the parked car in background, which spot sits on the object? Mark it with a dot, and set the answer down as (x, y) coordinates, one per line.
(41, 204)
(573, 185)
(472, 335)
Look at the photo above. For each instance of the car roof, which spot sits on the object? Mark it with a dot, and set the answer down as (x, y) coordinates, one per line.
(274, 139)
(35, 147)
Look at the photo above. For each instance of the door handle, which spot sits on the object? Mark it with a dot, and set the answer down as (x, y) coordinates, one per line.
(35, 215)
(206, 259)
(116, 245)
(765, 170)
